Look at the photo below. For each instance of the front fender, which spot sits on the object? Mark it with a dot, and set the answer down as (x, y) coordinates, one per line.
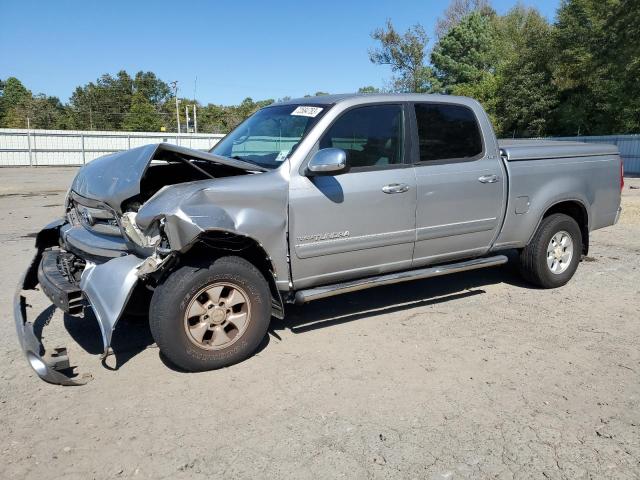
(253, 206)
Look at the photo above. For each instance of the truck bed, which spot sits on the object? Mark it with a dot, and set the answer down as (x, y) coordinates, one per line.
(528, 149)
(543, 173)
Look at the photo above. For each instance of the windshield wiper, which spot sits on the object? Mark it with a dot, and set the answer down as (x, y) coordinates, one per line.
(244, 164)
(237, 157)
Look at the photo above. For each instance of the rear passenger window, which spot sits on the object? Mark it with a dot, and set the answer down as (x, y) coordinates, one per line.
(447, 132)
(371, 136)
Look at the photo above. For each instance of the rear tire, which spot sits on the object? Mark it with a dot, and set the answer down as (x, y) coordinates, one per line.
(210, 316)
(552, 256)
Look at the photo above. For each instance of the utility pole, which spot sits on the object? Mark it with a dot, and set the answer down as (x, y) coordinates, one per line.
(186, 115)
(29, 141)
(195, 119)
(174, 84)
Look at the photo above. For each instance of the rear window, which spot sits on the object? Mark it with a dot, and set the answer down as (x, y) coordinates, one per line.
(447, 132)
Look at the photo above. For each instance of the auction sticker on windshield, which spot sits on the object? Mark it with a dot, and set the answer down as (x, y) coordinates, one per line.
(282, 155)
(304, 111)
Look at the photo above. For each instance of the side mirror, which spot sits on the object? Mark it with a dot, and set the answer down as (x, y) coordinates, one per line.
(328, 161)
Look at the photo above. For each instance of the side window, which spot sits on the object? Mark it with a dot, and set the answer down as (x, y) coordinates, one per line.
(372, 136)
(447, 132)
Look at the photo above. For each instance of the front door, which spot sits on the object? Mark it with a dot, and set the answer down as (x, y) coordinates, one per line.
(362, 222)
(460, 184)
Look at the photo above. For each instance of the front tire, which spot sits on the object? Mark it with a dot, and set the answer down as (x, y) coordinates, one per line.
(205, 317)
(552, 256)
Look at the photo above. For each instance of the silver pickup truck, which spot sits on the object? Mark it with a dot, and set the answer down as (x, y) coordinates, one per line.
(308, 199)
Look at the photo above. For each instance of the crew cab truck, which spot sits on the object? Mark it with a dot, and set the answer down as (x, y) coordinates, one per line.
(308, 199)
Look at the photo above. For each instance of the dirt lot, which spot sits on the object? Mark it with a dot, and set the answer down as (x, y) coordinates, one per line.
(468, 376)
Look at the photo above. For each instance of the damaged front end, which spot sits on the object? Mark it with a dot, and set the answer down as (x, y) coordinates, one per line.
(47, 365)
(67, 280)
(129, 217)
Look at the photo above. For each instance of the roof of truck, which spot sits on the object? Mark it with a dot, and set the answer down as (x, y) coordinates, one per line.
(356, 98)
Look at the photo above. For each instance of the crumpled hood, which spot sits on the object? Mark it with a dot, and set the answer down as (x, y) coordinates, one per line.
(114, 178)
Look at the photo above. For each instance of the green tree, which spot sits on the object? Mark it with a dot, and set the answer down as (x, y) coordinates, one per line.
(119, 102)
(2, 108)
(405, 54)
(578, 28)
(222, 119)
(143, 116)
(368, 89)
(14, 92)
(621, 49)
(152, 88)
(14, 96)
(484, 91)
(103, 105)
(108, 103)
(212, 118)
(596, 66)
(457, 11)
(526, 96)
(503, 62)
(467, 53)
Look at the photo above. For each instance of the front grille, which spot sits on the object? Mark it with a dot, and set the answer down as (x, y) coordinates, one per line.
(93, 218)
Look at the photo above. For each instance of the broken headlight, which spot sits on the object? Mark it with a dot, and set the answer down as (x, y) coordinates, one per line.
(149, 239)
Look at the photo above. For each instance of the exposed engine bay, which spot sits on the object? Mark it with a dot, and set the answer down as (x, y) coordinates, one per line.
(125, 180)
(174, 170)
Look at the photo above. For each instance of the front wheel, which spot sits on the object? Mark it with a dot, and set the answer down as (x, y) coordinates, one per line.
(211, 316)
(552, 257)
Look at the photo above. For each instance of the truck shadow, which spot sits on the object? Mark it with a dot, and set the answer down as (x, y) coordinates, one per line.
(132, 335)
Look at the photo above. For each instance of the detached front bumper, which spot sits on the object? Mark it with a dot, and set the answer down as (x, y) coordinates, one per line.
(107, 287)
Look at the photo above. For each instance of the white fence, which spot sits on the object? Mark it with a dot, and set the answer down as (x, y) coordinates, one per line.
(629, 146)
(21, 147)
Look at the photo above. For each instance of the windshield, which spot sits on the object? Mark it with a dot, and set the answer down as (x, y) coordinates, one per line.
(270, 135)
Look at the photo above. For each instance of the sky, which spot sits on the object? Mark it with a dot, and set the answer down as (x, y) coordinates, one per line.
(223, 51)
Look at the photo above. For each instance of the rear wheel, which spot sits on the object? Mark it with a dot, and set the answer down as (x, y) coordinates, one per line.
(552, 257)
(211, 316)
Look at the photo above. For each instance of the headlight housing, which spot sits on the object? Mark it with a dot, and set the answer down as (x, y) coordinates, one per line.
(149, 239)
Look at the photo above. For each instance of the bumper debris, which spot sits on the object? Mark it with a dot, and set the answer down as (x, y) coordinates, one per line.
(48, 365)
(107, 287)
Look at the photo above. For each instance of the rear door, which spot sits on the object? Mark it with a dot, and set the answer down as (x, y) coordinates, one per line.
(362, 222)
(460, 182)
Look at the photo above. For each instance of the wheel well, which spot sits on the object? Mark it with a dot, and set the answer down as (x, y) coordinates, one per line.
(578, 212)
(215, 244)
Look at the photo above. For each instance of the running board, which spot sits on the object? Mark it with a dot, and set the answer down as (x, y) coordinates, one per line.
(303, 296)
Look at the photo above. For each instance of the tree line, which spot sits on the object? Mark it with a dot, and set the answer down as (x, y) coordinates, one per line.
(579, 74)
(141, 102)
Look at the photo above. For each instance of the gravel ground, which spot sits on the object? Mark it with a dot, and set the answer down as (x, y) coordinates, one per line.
(474, 375)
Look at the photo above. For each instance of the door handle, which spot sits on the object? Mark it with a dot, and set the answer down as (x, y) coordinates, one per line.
(395, 188)
(488, 179)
